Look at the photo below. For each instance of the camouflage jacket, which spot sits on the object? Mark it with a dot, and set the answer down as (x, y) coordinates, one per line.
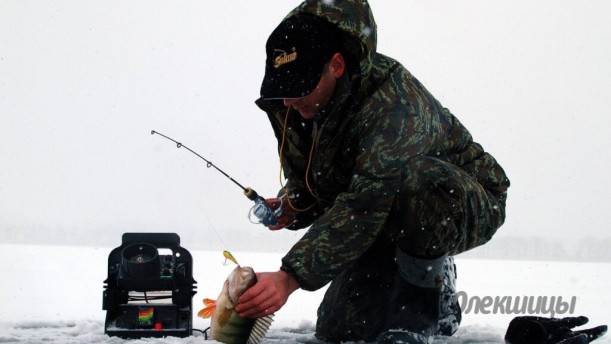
(380, 116)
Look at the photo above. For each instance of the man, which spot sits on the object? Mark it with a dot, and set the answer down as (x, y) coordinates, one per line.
(389, 181)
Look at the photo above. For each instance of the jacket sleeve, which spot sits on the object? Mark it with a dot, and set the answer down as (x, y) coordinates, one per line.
(351, 225)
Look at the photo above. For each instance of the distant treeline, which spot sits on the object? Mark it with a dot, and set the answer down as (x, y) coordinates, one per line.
(593, 249)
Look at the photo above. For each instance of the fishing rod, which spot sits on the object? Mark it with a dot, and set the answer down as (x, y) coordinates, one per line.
(264, 213)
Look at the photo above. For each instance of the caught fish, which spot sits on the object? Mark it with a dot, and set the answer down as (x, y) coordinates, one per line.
(226, 326)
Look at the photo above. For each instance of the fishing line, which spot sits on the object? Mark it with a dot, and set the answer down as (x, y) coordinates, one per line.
(216, 233)
(226, 253)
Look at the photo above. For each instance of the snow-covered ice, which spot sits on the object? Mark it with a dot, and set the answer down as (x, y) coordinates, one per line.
(83, 83)
(53, 294)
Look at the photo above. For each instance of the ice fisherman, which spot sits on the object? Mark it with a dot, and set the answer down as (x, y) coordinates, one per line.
(389, 182)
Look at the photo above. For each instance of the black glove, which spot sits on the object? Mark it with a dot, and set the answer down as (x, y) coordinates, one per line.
(538, 330)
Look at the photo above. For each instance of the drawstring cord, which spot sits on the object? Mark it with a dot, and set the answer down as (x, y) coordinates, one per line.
(307, 173)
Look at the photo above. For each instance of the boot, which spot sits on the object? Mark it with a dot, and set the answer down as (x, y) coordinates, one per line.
(415, 300)
(450, 312)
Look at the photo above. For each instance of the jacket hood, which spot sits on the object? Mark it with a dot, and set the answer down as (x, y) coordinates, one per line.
(354, 17)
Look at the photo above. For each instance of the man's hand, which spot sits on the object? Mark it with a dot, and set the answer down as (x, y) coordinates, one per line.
(268, 295)
(286, 217)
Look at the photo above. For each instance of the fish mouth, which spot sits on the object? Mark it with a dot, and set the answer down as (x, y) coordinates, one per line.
(240, 280)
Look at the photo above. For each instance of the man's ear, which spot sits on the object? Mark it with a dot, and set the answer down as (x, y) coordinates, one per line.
(337, 65)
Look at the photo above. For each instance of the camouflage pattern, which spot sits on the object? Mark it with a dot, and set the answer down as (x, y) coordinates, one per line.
(449, 308)
(390, 166)
(449, 211)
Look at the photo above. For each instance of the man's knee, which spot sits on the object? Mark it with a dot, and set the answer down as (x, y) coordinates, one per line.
(440, 209)
(422, 220)
(423, 176)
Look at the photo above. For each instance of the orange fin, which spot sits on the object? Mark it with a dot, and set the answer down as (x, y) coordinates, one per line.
(208, 310)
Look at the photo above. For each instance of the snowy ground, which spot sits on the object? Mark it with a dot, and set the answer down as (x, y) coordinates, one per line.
(53, 294)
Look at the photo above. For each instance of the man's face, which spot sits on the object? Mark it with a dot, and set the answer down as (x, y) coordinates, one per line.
(311, 104)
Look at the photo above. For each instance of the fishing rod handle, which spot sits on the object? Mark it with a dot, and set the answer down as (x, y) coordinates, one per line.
(251, 194)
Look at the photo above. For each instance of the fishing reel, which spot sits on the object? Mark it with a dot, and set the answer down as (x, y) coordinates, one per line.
(261, 210)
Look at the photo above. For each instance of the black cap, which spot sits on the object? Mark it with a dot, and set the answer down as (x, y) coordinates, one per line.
(297, 51)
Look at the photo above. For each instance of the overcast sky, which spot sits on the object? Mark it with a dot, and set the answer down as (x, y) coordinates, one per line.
(82, 84)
